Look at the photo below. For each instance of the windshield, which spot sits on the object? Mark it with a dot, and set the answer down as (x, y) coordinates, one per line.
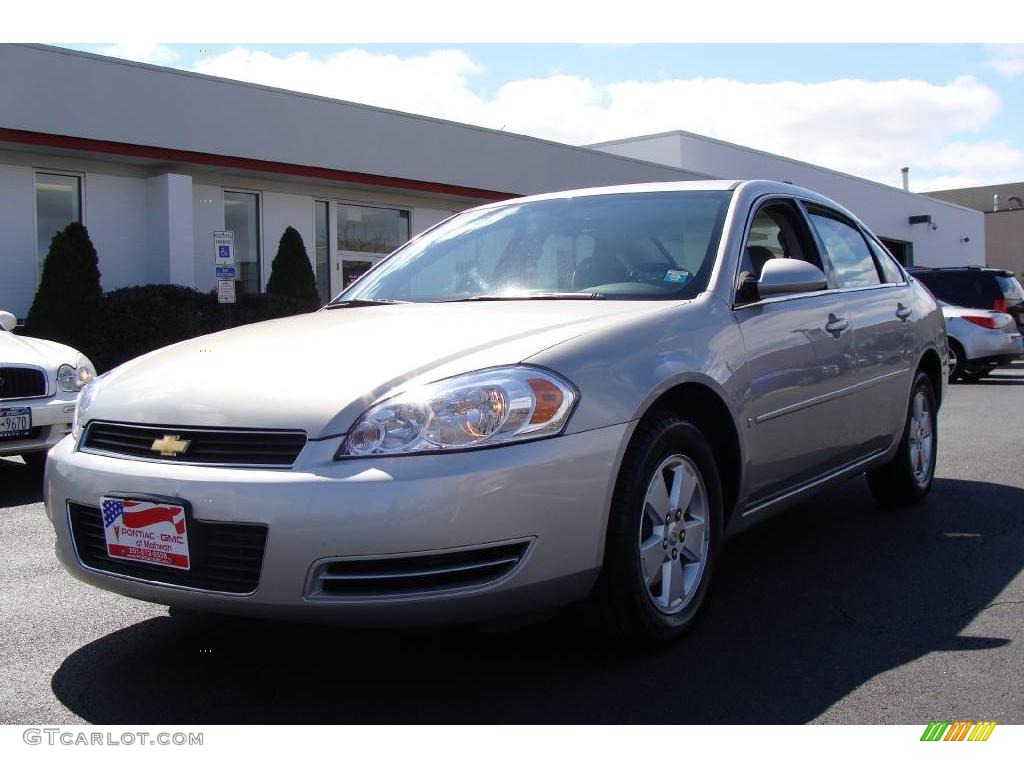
(651, 245)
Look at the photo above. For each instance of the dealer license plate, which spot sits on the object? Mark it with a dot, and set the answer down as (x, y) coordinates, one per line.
(15, 422)
(145, 531)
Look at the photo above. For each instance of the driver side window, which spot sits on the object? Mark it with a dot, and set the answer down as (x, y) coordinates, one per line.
(777, 232)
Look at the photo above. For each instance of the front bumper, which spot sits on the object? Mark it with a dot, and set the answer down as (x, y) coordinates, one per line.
(51, 422)
(553, 494)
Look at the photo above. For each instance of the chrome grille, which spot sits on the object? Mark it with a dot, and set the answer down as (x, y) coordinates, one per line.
(269, 448)
(21, 382)
(406, 575)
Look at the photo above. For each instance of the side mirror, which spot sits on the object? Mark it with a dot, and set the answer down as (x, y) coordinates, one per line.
(784, 276)
(7, 320)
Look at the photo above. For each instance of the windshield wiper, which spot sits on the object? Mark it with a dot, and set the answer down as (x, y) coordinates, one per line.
(528, 296)
(362, 303)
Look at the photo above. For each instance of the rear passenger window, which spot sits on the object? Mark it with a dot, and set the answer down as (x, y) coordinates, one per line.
(847, 250)
(886, 263)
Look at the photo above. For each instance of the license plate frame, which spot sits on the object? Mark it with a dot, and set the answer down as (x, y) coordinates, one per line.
(154, 533)
(21, 415)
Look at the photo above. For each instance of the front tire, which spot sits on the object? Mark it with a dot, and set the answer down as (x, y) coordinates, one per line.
(907, 478)
(664, 530)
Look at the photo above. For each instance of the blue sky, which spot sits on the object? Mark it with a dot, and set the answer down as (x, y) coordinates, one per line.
(951, 112)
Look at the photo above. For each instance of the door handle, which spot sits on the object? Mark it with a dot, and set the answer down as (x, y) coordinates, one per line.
(903, 312)
(836, 325)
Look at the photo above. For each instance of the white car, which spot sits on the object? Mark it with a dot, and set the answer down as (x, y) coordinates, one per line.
(39, 384)
(979, 341)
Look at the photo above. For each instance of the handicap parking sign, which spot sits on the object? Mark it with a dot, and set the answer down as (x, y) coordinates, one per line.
(224, 252)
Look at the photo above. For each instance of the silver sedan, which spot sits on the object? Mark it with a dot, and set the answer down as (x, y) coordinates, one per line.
(574, 396)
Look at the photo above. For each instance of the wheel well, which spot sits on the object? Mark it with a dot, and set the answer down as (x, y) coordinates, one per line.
(708, 412)
(931, 365)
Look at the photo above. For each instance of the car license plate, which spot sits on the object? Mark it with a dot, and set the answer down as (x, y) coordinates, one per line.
(145, 531)
(15, 422)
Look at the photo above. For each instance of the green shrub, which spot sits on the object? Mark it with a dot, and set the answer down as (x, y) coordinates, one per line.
(69, 284)
(291, 274)
(129, 322)
(255, 308)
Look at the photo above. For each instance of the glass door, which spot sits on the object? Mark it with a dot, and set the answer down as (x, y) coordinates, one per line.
(364, 234)
(349, 266)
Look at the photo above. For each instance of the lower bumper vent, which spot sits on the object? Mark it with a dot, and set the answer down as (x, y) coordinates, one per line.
(415, 574)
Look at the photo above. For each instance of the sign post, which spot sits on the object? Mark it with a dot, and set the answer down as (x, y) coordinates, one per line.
(224, 271)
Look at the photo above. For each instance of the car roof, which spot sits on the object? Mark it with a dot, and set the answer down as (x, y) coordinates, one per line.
(968, 268)
(753, 186)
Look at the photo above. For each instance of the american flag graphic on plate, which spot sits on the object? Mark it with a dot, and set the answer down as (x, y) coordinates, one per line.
(145, 531)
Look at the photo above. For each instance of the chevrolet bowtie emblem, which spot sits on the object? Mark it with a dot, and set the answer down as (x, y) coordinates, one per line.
(170, 445)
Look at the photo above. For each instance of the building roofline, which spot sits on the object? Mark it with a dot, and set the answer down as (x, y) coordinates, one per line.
(772, 155)
(124, 149)
(350, 104)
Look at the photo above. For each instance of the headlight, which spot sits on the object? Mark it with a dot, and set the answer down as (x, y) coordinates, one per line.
(82, 406)
(73, 378)
(490, 407)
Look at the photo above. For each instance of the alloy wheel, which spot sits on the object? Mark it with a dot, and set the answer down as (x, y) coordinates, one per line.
(674, 534)
(921, 442)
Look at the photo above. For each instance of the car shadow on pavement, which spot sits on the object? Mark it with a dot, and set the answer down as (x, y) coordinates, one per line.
(806, 608)
(19, 483)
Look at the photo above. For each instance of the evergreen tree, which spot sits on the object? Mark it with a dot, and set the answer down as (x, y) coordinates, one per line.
(291, 274)
(70, 284)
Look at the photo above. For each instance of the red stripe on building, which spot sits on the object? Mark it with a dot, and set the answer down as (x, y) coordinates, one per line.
(35, 138)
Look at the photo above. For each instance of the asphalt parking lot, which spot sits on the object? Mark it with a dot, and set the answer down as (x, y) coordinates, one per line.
(836, 612)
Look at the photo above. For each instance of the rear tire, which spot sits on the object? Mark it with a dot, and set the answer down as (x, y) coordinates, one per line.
(957, 358)
(664, 530)
(907, 478)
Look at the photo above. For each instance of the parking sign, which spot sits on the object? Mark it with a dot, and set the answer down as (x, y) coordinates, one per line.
(224, 248)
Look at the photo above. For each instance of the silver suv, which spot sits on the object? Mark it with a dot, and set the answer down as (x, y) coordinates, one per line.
(564, 397)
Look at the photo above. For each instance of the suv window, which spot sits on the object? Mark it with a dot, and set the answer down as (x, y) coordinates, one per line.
(972, 288)
(847, 251)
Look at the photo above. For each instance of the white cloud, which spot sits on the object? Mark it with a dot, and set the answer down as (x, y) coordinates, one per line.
(1006, 59)
(868, 128)
(148, 53)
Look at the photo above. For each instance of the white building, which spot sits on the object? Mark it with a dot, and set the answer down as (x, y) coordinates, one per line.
(154, 161)
(917, 229)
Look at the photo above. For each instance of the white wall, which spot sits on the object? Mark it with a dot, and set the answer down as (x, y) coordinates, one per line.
(17, 239)
(884, 209)
(116, 216)
(424, 218)
(180, 227)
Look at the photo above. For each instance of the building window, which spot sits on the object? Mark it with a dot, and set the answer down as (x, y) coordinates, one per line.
(366, 229)
(323, 246)
(58, 203)
(242, 216)
(365, 235)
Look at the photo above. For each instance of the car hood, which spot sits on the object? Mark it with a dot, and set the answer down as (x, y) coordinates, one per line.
(318, 372)
(23, 350)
